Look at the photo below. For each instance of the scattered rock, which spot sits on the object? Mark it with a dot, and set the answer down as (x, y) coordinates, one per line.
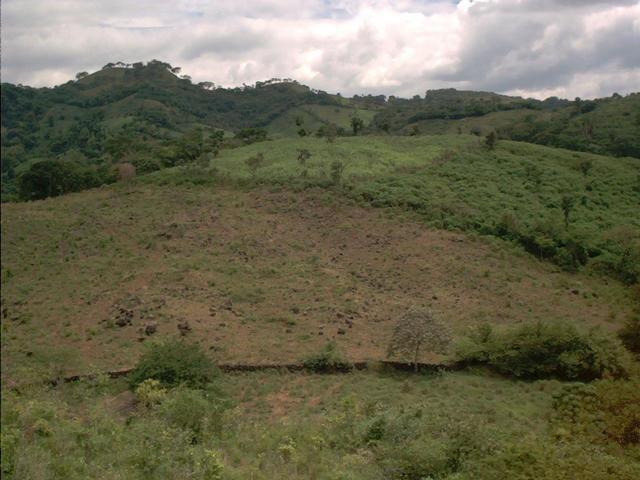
(150, 329)
(184, 328)
(435, 297)
(124, 317)
(341, 331)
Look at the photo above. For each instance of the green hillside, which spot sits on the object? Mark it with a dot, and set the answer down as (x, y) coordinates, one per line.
(272, 282)
(97, 120)
(605, 126)
(255, 275)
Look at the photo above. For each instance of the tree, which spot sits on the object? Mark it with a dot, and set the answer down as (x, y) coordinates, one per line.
(331, 132)
(254, 163)
(126, 172)
(337, 167)
(356, 124)
(303, 156)
(567, 203)
(585, 166)
(419, 328)
(490, 140)
(81, 75)
(214, 142)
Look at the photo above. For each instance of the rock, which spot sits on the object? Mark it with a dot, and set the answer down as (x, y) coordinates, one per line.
(150, 329)
(124, 317)
(184, 328)
(341, 331)
(122, 322)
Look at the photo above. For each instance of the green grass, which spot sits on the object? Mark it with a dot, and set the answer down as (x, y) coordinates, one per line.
(514, 191)
(269, 425)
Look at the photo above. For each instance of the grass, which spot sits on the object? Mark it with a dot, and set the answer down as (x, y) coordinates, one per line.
(515, 190)
(271, 270)
(358, 425)
(224, 259)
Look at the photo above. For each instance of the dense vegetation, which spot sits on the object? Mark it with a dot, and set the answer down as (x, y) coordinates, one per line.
(150, 114)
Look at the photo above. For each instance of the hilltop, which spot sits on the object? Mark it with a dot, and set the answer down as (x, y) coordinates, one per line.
(121, 109)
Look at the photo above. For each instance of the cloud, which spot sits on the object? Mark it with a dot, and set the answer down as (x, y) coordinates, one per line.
(403, 47)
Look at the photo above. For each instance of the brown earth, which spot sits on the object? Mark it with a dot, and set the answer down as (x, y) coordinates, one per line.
(258, 277)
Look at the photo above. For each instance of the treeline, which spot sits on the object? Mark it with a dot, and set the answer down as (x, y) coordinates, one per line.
(50, 178)
(607, 126)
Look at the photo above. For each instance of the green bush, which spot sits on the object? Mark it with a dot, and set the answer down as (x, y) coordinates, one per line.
(174, 362)
(330, 359)
(546, 350)
(187, 409)
(629, 335)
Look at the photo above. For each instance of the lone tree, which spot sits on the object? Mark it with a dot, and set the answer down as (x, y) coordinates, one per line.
(416, 330)
(356, 124)
(303, 156)
(254, 163)
(490, 140)
(567, 203)
(585, 166)
(126, 172)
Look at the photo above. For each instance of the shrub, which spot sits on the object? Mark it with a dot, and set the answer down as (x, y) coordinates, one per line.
(330, 359)
(173, 362)
(187, 409)
(545, 350)
(150, 393)
(629, 335)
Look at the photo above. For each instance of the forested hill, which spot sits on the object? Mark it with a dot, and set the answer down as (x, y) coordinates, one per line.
(151, 116)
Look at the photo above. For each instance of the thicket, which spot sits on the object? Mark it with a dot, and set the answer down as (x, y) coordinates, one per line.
(173, 362)
(329, 359)
(50, 178)
(545, 350)
(629, 334)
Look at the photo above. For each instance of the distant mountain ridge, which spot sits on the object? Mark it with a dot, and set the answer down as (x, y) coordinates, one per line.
(143, 106)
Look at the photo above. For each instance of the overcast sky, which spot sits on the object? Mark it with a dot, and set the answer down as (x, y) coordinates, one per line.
(533, 48)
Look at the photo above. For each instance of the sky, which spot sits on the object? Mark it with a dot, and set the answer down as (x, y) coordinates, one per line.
(531, 48)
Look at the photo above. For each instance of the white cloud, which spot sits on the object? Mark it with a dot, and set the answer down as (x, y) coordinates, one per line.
(400, 47)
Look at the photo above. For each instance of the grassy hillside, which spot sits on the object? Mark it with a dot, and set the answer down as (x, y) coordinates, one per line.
(100, 119)
(260, 277)
(307, 254)
(604, 126)
(263, 276)
(514, 191)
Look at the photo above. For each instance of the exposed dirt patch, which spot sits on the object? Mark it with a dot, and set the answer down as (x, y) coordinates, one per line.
(258, 277)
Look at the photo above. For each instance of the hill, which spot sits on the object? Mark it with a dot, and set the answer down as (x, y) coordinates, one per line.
(124, 112)
(605, 126)
(254, 274)
(268, 248)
